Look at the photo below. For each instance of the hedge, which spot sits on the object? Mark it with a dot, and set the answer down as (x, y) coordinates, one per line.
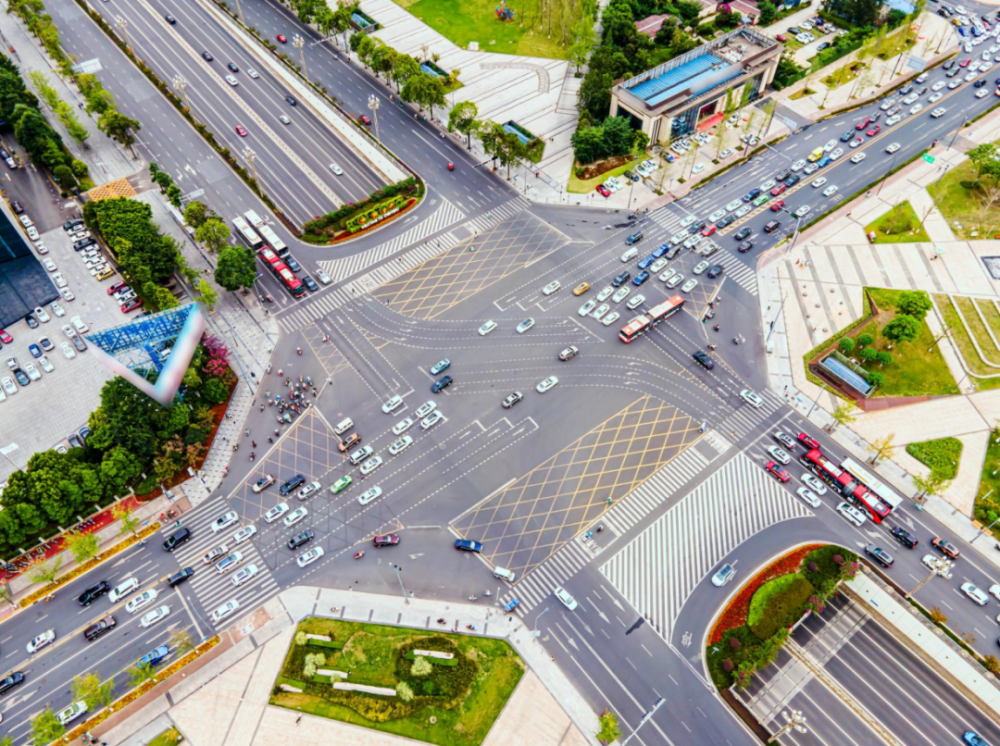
(431, 659)
(783, 607)
(336, 645)
(292, 682)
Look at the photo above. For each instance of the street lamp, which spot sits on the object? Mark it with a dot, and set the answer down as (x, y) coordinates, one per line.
(792, 722)
(939, 567)
(299, 43)
(373, 104)
(398, 569)
(123, 25)
(645, 718)
(251, 158)
(180, 85)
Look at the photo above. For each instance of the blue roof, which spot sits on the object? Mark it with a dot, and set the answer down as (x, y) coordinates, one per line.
(901, 5)
(520, 135)
(700, 84)
(848, 376)
(671, 80)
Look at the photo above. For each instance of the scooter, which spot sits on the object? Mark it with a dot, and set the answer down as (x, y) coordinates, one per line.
(359, 555)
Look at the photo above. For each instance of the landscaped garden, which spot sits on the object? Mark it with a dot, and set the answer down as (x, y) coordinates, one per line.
(900, 225)
(968, 195)
(431, 686)
(973, 342)
(941, 456)
(754, 625)
(987, 505)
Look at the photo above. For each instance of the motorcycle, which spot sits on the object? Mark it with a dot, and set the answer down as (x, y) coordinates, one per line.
(359, 555)
(298, 350)
(441, 621)
(473, 598)
(451, 166)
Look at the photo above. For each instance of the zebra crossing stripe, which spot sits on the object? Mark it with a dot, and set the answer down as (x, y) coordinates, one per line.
(555, 571)
(445, 216)
(657, 571)
(495, 216)
(739, 272)
(318, 306)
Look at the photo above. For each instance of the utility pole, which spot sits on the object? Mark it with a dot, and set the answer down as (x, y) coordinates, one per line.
(180, 85)
(939, 566)
(792, 722)
(645, 718)
(373, 104)
(299, 43)
(251, 158)
(398, 569)
(123, 25)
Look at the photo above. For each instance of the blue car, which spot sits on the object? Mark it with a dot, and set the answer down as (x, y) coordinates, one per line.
(35, 351)
(973, 739)
(824, 161)
(440, 367)
(467, 545)
(662, 249)
(441, 384)
(644, 263)
(640, 278)
(154, 657)
(751, 195)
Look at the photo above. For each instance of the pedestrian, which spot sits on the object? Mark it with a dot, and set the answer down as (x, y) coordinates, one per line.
(253, 443)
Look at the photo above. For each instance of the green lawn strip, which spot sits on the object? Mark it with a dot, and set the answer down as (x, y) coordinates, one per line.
(168, 737)
(576, 186)
(961, 339)
(957, 203)
(987, 505)
(475, 20)
(986, 345)
(370, 655)
(991, 314)
(941, 455)
(916, 233)
(758, 604)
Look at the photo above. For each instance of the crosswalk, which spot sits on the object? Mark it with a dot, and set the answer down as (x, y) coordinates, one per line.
(211, 588)
(745, 419)
(496, 215)
(314, 308)
(445, 216)
(628, 511)
(657, 571)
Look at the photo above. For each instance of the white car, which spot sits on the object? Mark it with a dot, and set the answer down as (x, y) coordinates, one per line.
(975, 594)
(565, 598)
(487, 328)
(829, 146)
(276, 512)
(587, 307)
(154, 616)
(917, 107)
(525, 325)
(667, 275)
(67, 350)
(141, 601)
(910, 99)
(698, 168)
(232, 81)
(323, 277)
(798, 165)
(425, 409)
(803, 211)
(894, 119)
(981, 93)
(309, 557)
(836, 154)
(371, 465)
(547, 384)
(392, 405)
(725, 154)
(743, 210)
(8, 385)
(606, 292)
(41, 315)
(688, 220)
(674, 281)
(726, 573)
(938, 112)
(32, 372)
(700, 267)
(244, 575)
(621, 294)
(814, 483)
(892, 148)
(71, 713)
(299, 513)
(551, 287)
(735, 204)
(49, 265)
(751, 398)
(224, 521)
(225, 610)
(779, 454)
(690, 285)
(635, 302)
(657, 265)
(716, 216)
(336, 169)
(42, 641)
(831, 190)
(817, 183)
(611, 318)
(32, 234)
(66, 293)
(938, 86)
(310, 489)
(995, 591)
(46, 365)
(431, 420)
(767, 186)
(857, 158)
(366, 497)
(26, 221)
(57, 309)
(886, 105)
(852, 514)
(600, 311)
(244, 534)
(629, 254)
(931, 561)
(809, 497)
(935, 97)
(402, 426)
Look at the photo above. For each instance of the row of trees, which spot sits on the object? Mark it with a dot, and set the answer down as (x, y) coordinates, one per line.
(236, 267)
(497, 142)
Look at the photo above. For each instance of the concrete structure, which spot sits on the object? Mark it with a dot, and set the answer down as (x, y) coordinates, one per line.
(688, 92)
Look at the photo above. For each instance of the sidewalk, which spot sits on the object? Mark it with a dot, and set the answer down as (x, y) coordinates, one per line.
(225, 703)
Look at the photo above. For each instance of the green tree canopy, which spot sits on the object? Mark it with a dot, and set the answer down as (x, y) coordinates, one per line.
(236, 268)
(914, 303)
(903, 328)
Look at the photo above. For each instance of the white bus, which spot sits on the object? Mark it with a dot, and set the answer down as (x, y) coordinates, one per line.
(272, 240)
(247, 233)
(253, 218)
(884, 493)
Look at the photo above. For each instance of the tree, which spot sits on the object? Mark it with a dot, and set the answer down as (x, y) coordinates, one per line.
(688, 10)
(609, 728)
(883, 358)
(208, 296)
(83, 546)
(903, 328)
(867, 354)
(767, 13)
(880, 446)
(990, 661)
(846, 345)
(404, 67)
(181, 641)
(64, 176)
(898, 220)
(213, 233)
(89, 688)
(119, 466)
(584, 37)
(140, 673)
(844, 414)
(937, 616)
(462, 118)
(119, 127)
(915, 303)
(424, 90)
(175, 195)
(128, 522)
(981, 154)
(46, 573)
(588, 144)
(196, 213)
(932, 484)
(236, 268)
(865, 339)
(46, 728)
(874, 378)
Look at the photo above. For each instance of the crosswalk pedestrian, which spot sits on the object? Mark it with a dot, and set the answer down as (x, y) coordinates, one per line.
(212, 588)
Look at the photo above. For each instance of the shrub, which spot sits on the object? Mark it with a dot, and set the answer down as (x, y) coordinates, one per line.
(761, 599)
(421, 667)
(214, 391)
(727, 666)
(734, 643)
(313, 661)
(823, 567)
(865, 339)
(300, 638)
(784, 607)
(404, 692)
(846, 345)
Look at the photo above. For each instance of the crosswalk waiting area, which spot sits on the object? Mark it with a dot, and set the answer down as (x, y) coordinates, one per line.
(213, 588)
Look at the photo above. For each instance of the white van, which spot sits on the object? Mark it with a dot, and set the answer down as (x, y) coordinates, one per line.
(502, 573)
(123, 589)
(343, 426)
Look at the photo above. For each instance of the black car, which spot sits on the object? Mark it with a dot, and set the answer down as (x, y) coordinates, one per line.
(310, 283)
(824, 45)
(879, 555)
(15, 679)
(904, 537)
(906, 90)
(176, 539)
(292, 484)
(83, 243)
(207, 56)
(441, 384)
(744, 246)
(751, 195)
(21, 376)
(31, 321)
(725, 222)
(715, 271)
(784, 174)
(180, 576)
(170, 19)
(72, 224)
(697, 227)
(17, 207)
(299, 539)
(232, 67)
(847, 136)
(291, 100)
(772, 226)
(704, 359)
(100, 628)
(292, 264)
(621, 279)
(79, 344)
(792, 180)
(979, 84)
(74, 441)
(93, 592)
(741, 234)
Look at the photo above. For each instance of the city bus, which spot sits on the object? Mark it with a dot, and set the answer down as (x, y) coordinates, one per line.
(247, 233)
(869, 480)
(642, 324)
(845, 484)
(292, 283)
(253, 218)
(272, 240)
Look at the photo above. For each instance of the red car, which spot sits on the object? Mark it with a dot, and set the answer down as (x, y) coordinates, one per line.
(863, 123)
(115, 287)
(808, 440)
(781, 38)
(388, 540)
(965, 62)
(363, 118)
(131, 305)
(281, 38)
(777, 205)
(603, 190)
(5, 337)
(241, 131)
(778, 190)
(777, 472)
(708, 230)
(874, 130)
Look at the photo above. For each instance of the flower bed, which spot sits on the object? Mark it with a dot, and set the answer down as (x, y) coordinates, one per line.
(376, 214)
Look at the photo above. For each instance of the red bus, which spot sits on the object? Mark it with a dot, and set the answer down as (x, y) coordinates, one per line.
(642, 324)
(281, 271)
(847, 485)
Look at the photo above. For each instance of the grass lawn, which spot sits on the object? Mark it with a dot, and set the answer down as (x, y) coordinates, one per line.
(961, 206)
(987, 506)
(941, 456)
(960, 337)
(453, 705)
(475, 20)
(167, 738)
(843, 74)
(917, 368)
(807, 91)
(899, 216)
(576, 186)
